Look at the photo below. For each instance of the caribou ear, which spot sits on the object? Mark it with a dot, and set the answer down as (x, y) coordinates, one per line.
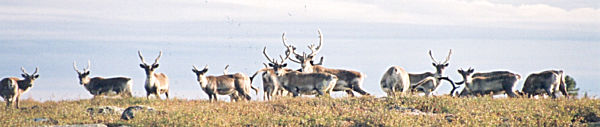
(271, 65)
(460, 71)
(142, 66)
(433, 64)
(24, 75)
(471, 70)
(445, 65)
(155, 66)
(36, 76)
(284, 65)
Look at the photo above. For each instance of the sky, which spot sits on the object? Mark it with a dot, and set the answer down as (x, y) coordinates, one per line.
(523, 36)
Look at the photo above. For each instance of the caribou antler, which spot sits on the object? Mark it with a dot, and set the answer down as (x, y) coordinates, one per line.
(144, 61)
(284, 40)
(157, 58)
(320, 62)
(23, 70)
(314, 50)
(432, 59)
(141, 57)
(267, 56)
(287, 55)
(225, 70)
(448, 57)
(88, 66)
(75, 67)
(195, 68)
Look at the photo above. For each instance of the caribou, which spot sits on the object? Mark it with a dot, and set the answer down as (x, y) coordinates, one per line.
(395, 79)
(297, 82)
(548, 82)
(156, 83)
(348, 80)
(488, 83)
(98, 86)
(428, 82)
(271, 86)
(9, 90)
(234, 85)
(12, 88)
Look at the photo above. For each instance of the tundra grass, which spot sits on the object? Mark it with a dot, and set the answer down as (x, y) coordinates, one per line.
(363, 111)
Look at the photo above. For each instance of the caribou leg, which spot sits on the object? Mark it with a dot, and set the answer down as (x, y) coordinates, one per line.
(350, 93)
(563, 90)
(167, 94)
(8, 102)
(550, 92)
(356, 87)
(17, 101)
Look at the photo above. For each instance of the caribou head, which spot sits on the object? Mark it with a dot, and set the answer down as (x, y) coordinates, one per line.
(305, 60)
(465, 74)
(278, 67)
(83, 76)
(149, 68)
(28, 76)
(440, 66)
(199, 73)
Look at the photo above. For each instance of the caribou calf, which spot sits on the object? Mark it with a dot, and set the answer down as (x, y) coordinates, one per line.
(548, 82)
(99, 86)
(483, 85)
(234, 85)
(395, 79)
(9, 90)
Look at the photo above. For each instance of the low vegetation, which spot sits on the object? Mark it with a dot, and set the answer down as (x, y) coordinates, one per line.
(363, 111)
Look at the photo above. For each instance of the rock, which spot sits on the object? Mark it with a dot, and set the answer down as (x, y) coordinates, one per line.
(594, 124)
(406, 110)
(105, 110)
(414, 111)
(45, 120)
(27, 108)
(130, 112)
(450, 117)
(82, 125)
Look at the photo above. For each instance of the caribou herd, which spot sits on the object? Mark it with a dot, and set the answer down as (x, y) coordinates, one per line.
(311, 79)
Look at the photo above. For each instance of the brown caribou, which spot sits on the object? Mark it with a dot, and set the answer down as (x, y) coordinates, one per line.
(98, 86)
(271, 86)
(348, 80)
(12, 88)
(234, 85)
(395, 79)
(300, 83)
(428, 82)
(156, 83)
(488, 83)
(9, 90)
(548, 82)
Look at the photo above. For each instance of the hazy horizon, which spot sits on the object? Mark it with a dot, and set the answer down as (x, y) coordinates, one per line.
(367, 36)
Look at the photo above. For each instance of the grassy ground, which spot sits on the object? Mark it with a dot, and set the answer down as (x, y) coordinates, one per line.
(442, 111)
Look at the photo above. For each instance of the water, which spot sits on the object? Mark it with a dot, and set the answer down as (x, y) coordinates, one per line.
(365, 47)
